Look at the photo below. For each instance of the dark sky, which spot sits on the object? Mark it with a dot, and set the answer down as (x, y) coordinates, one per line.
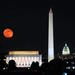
(29, 21)
(64, 25)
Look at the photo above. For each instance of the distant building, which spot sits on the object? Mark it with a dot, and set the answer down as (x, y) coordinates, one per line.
(65, 54)
(65, 50)
(24, 58)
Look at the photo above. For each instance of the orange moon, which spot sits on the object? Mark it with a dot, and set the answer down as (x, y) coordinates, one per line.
(8, 33)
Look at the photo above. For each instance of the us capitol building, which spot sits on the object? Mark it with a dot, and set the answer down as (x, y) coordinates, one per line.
(65, 54)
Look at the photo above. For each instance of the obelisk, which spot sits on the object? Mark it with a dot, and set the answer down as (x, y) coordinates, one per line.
(50, 37)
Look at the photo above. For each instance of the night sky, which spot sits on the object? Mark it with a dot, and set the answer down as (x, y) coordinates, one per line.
(29, 21)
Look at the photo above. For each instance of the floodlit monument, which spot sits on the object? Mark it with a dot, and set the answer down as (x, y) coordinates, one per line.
(24, 58)
(66, 50)
(50, 37)
(65, 53)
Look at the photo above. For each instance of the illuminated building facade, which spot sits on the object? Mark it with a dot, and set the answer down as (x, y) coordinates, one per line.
(65, 50)
(24, 58)
(65, 53)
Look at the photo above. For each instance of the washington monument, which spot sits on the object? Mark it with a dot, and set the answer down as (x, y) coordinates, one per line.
(50, 37)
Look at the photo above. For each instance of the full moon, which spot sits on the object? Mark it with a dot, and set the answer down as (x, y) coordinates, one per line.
(8, 33)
